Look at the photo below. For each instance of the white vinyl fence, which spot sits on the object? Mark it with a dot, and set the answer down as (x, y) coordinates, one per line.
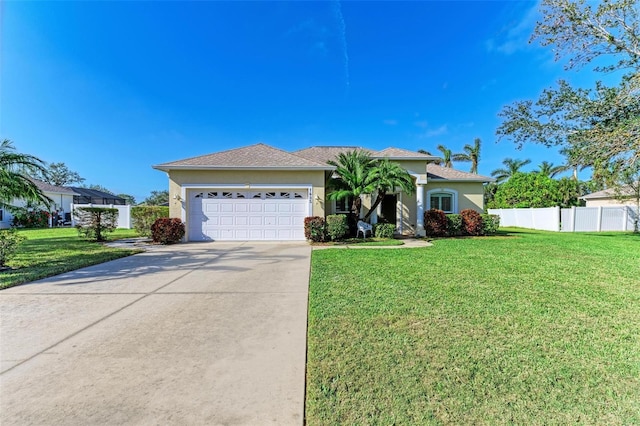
(575, 219)
(124, 213)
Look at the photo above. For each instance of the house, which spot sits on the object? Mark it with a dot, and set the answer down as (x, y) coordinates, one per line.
(609, 197)
(93, 196)
(259, 192)
(61, 196)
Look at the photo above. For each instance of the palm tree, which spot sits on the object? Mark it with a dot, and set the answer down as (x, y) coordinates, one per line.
(548, 169)
(511, 168)
(471, 155)
(14, 181)
(352, 169)
(446, 156)
(384, 177)
(436, 161)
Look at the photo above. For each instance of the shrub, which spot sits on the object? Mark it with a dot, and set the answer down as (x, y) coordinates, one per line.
(144, 217)
(337, 226)
(383, 230)
(491, 223)
(9, 241)
(435, 223)
(94, 222)
(167, 230)
(471, 222)
(454, 225)
(314, 228)
(30, 218)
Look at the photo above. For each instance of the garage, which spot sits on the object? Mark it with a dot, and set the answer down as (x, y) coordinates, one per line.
(270, 214)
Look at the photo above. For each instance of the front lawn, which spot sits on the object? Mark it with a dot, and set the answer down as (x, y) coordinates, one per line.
(53, 251)
(528, 328)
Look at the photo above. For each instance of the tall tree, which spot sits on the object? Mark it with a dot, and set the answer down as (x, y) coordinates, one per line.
(548, 169)
(157, 198)
(385, 176)
(596, 125)
(471, 155)
(511, 167)
(352, 168)
(97, 187)
(446, 156)
(436, 161)
(59, 174)
(14, 181)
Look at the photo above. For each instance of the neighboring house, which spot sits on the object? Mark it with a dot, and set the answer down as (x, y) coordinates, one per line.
(62, 198)
(609, 197)
(260, 192)
(93, 196)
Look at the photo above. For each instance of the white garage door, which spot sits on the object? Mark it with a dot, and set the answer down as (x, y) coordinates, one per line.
(226, 215)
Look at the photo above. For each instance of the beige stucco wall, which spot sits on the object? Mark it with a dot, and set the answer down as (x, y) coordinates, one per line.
(470, 194)
(609, 202)
(246, 178)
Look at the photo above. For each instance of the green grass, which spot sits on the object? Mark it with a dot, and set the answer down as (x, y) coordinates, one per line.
(367, 242)
(53, 251)
(528, 328)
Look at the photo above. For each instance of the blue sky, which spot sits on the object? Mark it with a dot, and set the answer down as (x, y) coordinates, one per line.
(111, 88)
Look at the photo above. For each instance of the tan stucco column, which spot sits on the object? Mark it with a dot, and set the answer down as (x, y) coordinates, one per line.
(420, 210)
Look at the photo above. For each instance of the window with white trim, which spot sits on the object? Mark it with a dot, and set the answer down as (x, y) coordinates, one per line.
(443, 199)
(344, 205)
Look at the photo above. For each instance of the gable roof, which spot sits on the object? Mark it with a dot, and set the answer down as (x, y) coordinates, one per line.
(402, 154)
(323, 154)
(435, 173)
(625, 191)
(258, 156)
(47, 187)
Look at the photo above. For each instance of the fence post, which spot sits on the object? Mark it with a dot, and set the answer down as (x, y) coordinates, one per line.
(599, 219)
(558, 213)
(573, 219)
(625, 217)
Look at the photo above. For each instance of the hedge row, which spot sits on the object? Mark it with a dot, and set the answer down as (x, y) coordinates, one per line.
(336, 227)
(468, 222)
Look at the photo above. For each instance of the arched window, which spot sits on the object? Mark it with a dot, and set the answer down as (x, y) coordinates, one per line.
(443, 199)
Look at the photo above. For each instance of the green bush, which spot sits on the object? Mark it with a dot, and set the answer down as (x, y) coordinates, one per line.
(490, 223)
(471, 222)
(143, 218)
(167, 230)
(95, 222)
(454, 225)
(29, 218)
(337, 226)
(383, 230)
(315, 228)
(9, 241)
(435, 223)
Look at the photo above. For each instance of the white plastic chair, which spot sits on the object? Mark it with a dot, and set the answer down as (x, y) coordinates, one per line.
(364, 227)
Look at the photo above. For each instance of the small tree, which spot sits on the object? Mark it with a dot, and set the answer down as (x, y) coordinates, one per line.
(157, 198)
(337, 226)
(9, 241)
(167, 230)
(95, 222)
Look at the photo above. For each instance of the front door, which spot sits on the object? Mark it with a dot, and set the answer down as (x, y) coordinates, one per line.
(388, 209)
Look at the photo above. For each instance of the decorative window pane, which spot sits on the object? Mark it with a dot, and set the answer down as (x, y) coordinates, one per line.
(442, 201)
(257, 195)
(271, 195)
(297, 195)
(239, 195)
(212, 195)
(227, 195)
(200, 195)
(285, 195)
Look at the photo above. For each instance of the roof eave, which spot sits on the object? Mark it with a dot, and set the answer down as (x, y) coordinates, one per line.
(432, 179)
(381, 157)
(167, 168)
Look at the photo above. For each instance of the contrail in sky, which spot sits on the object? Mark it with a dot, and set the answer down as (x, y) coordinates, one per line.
(337, 10)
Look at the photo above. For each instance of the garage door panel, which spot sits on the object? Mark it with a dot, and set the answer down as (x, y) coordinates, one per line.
(248, 215)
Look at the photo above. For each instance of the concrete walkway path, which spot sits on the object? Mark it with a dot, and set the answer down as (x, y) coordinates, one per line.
(209, 333)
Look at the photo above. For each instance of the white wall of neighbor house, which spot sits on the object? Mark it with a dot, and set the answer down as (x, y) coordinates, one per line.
(60, 201)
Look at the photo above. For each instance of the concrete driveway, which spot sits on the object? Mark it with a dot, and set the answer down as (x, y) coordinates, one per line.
(208, 333)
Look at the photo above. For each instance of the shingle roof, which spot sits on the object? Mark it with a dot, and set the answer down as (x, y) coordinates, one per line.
(399, 154)
(47, 187)
(249, 157)
(435, 172)
(322, 154)
(608, 193)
